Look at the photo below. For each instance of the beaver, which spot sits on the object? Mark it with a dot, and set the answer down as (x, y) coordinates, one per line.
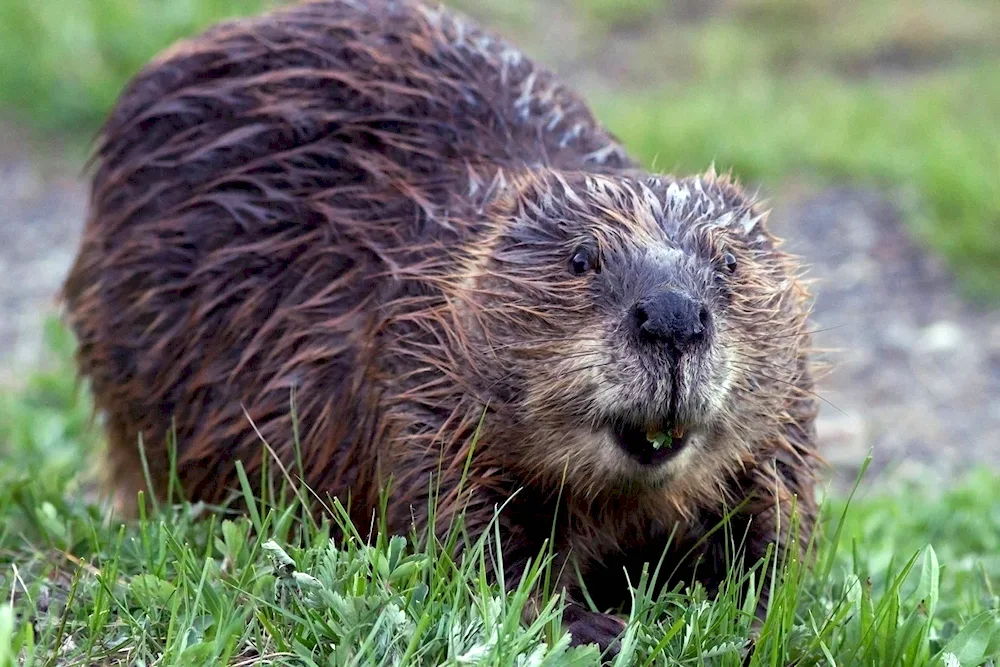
(463, 277)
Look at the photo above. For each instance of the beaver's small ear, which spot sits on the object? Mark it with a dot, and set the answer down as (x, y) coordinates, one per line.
(749, 211)
(753, 223)
(748, 227)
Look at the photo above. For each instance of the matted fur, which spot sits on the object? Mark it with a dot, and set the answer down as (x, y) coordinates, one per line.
(374, 202)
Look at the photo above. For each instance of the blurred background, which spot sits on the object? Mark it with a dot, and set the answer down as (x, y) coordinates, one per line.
(873, 128)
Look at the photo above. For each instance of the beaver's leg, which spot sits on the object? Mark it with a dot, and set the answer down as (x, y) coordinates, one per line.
(778, 514)
(584, 626)
(783, 514)
(123, 471)
(522, 538)
(589, 627)
(523, 528)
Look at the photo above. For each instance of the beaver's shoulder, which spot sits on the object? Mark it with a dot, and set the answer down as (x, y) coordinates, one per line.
(421, 83)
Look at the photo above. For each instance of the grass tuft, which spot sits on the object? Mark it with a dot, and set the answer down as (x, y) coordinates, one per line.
(62, 64)
(190, 585)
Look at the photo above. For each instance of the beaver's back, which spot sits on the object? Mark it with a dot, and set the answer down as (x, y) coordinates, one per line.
(332, 92)
(257, 190)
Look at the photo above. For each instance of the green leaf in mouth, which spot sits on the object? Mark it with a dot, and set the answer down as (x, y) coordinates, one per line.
(659, 440)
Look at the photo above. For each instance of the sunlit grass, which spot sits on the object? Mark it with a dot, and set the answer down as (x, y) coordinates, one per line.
(62, 64)
(192, 586)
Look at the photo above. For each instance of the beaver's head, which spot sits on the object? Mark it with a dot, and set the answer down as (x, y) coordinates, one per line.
(632, 332)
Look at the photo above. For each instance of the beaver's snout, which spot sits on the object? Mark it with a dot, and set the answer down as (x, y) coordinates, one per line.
(671, 319)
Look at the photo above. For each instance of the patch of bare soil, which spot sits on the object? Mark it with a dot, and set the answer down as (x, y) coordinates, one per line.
(916, 370)
(41, 217)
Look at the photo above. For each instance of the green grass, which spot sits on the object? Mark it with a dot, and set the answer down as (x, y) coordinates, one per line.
(191, 586)
(772, 91)
(62, 64)
(619, 14)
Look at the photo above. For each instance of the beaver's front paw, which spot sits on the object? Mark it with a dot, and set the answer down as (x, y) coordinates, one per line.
(587, 627)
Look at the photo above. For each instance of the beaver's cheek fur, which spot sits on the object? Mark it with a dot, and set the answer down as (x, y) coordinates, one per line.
(584, 387)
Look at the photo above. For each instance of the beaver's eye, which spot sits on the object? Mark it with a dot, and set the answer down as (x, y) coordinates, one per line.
(729, 262)
(582, 261)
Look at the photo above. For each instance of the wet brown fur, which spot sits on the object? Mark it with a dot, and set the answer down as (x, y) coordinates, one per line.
(316, 199)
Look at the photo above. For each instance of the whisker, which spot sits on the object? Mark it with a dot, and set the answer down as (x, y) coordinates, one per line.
(543, 341)
(796, 387)
(784, 335)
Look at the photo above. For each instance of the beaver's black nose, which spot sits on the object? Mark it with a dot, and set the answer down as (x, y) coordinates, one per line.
(671, 318)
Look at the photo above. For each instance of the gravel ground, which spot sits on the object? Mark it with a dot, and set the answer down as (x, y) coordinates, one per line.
(916, 371)
(41, 217)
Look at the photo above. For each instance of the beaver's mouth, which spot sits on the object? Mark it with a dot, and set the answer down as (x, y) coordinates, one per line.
(651, 444)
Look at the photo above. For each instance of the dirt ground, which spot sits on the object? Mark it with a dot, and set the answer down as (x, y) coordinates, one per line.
(916, 371)
(41, 216)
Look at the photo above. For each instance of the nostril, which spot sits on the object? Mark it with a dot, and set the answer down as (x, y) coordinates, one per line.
(641, 316)
(704, 317)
